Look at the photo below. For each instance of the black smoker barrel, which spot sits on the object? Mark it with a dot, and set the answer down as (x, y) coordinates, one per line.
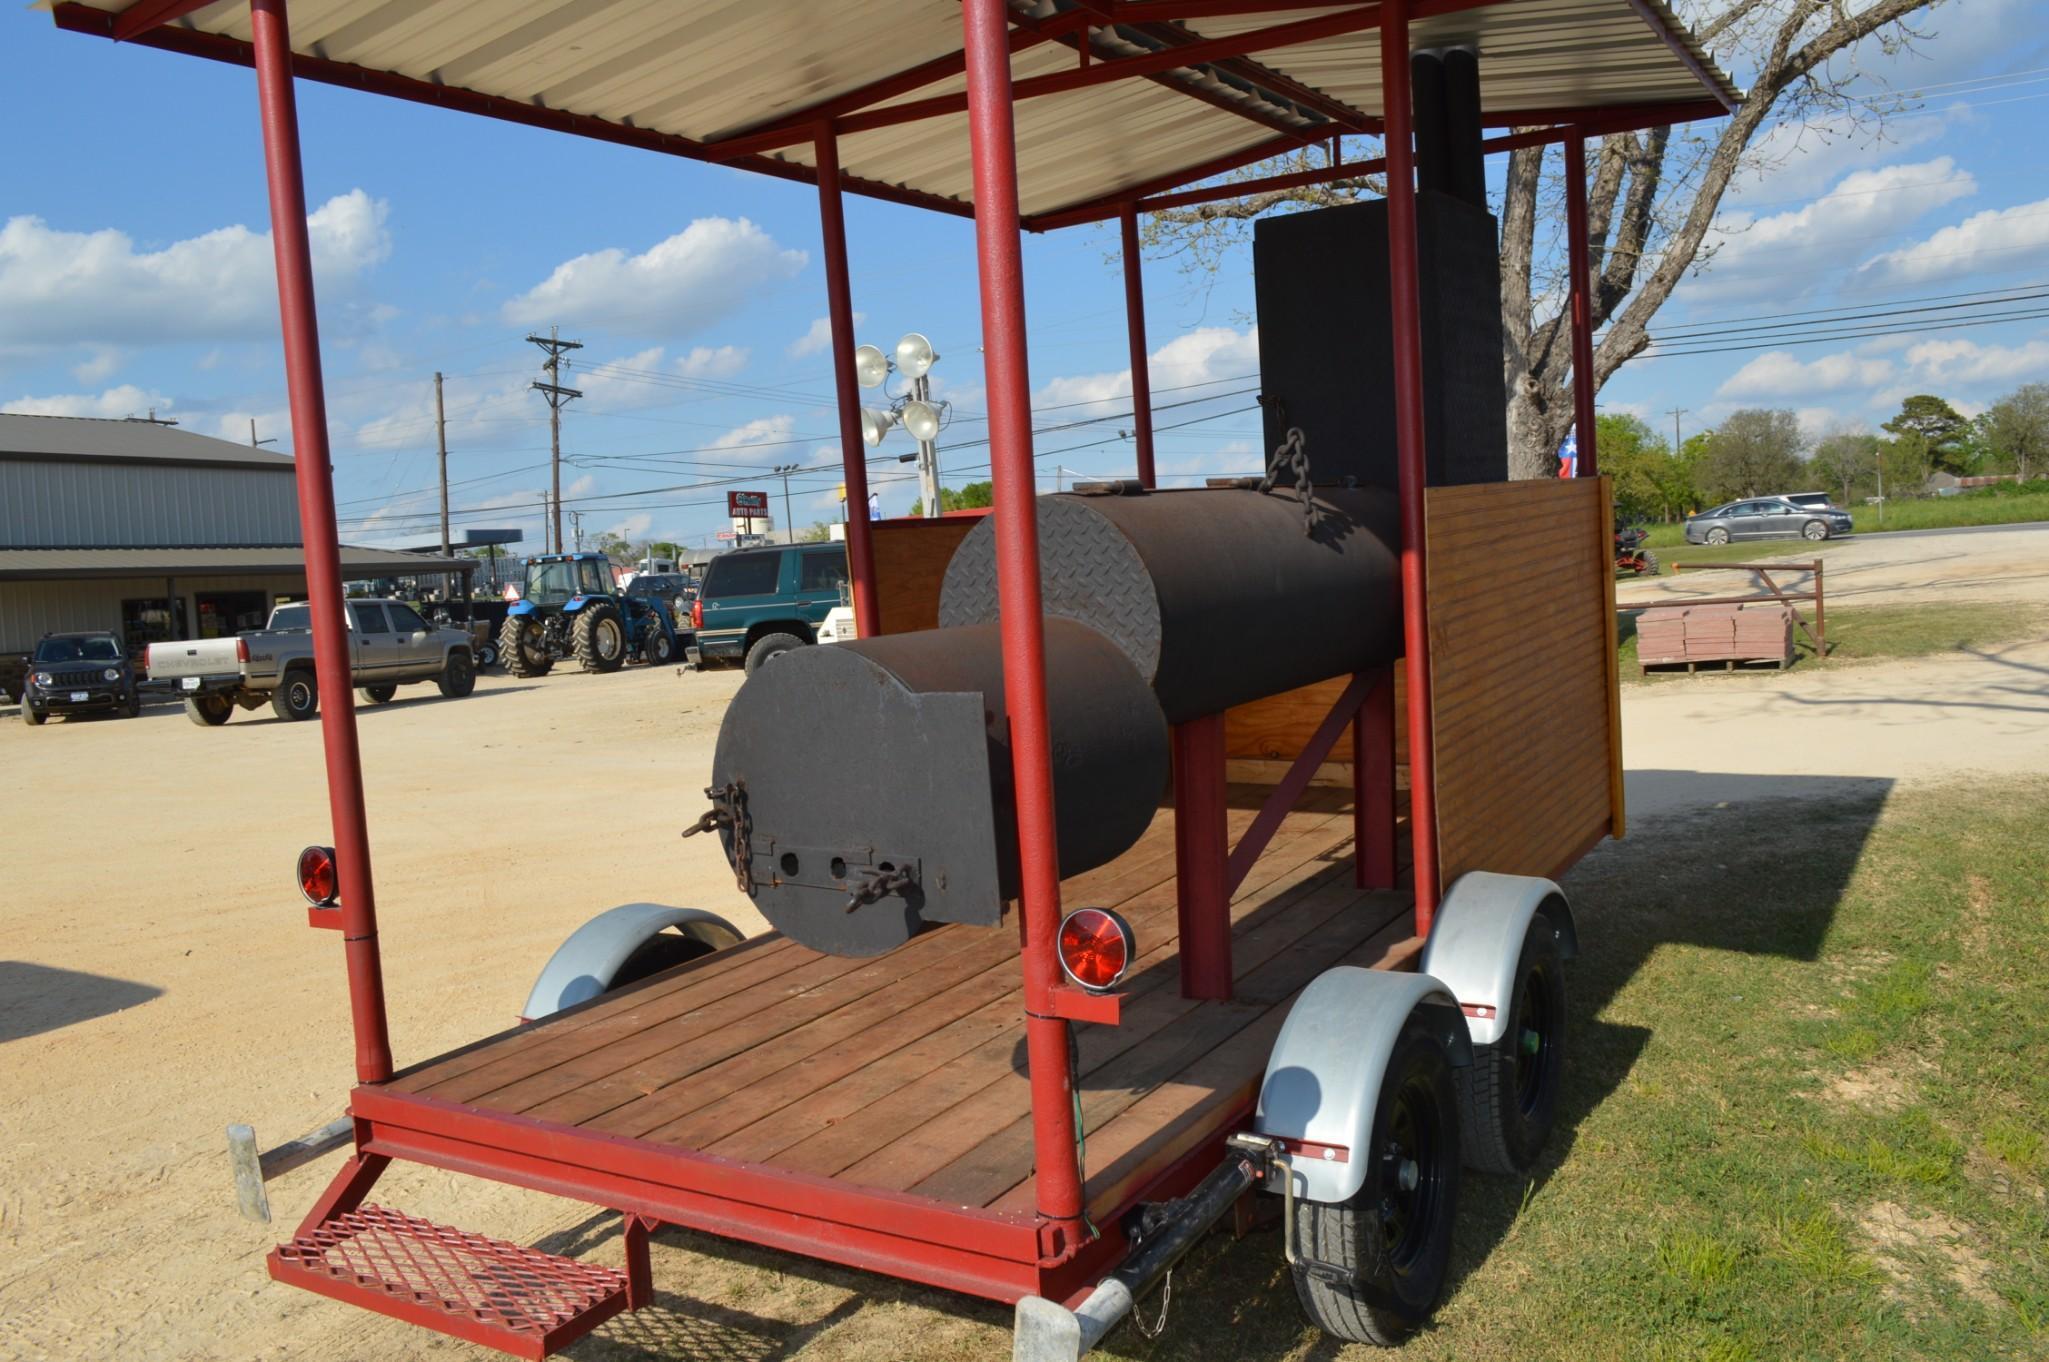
(873, 779)
(1216, 594)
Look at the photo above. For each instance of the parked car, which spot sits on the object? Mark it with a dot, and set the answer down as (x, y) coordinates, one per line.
(389, 646)
(1811, 500)
(756, 603)
(81, 673)
(1766, 518)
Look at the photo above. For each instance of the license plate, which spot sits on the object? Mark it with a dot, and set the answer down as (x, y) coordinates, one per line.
(191, 683)
(78, 697)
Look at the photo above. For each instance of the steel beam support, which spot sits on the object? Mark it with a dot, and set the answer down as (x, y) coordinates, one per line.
(1284, 795)
(1134, 326)
(839, 307)
(1202, 858)
(1579, 261)
(640, 1285)
(999, 253)
(272, 43)
(145, 15)
(1406, 306)
(1373, 818)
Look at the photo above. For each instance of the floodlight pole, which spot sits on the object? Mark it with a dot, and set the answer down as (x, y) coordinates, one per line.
(928, 452)
(271, 46)
(1134, 326)
(832, 225)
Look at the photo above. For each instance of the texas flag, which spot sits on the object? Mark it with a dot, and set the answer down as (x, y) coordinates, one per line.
(1568, 456)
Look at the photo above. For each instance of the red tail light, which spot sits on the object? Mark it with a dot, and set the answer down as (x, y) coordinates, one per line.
(241, 650)
(317, 878)
(1095, 948)
(697, 614)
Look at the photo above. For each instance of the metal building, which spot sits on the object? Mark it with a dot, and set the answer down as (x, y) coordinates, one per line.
(150, 531)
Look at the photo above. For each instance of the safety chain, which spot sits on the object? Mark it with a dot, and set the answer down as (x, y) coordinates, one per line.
(729, 810)
(1158, 1326)
(1293, 455)
(875, 886)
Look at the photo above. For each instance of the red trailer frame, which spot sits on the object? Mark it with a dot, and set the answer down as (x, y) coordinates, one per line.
(1053, 1251)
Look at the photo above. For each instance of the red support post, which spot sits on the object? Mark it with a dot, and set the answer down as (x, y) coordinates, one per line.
(839, 306)
(999, 254)
(1373, 787)
(1202, 853)
(1579, 261)
(315, 477)
(1134, 325)
(1404, 295)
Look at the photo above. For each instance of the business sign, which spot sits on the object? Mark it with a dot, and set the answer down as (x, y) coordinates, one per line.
(725, 534)
(746, 505)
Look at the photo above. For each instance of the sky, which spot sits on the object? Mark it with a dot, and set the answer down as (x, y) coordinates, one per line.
(135, 276)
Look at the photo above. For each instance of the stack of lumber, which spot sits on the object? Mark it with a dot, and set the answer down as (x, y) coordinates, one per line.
(1692, 634)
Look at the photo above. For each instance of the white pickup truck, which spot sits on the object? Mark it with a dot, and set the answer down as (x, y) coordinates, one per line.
(389, 645)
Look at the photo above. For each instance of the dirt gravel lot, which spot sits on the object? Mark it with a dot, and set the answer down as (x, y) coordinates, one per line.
(157, 979)
(1972, 564)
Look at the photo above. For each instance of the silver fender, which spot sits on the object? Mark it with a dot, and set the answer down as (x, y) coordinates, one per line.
(1324, 1075)
(1477, 937)
(584, 965)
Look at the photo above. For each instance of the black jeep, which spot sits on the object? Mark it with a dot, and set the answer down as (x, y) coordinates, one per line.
(79, 674)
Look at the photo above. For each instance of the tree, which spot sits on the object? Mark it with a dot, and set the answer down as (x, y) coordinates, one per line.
(1752, 453)
(2015, 430)
(1636, 458)
(616, 547)
(817, 533)
(1936, 430)
(975, 496)
(1652, 198)
(1846, 461)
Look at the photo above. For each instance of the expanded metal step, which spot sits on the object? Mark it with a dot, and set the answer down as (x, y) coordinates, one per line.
(516, 1299)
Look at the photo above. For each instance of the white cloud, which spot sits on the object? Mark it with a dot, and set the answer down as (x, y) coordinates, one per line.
(697, 277)
(706, 362)
(815, 340)
(126, 400)
(769, 435)
(1780, 373)
(1204, 356)
(1784, 254)
(1798, 159)
(583, 486)
(1964, 361)
(96, 288)
(1997, 239)
(100, 367)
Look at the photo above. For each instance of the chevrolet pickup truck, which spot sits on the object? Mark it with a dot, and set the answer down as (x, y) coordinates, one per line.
(389, 646)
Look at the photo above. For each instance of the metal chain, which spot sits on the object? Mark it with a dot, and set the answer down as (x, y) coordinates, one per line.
(1158, 1326)
(729, 810)
(875, 886)
(1293, 455)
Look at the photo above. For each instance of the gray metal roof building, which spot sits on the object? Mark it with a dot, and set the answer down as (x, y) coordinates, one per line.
(150, 531)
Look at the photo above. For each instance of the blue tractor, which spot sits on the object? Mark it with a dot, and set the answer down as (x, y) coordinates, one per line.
(569, 607)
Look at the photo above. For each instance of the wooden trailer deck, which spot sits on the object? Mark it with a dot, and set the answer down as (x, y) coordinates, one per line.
(905, 1073)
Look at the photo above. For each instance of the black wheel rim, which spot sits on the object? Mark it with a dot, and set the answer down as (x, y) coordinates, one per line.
(1535, 1038)
(1413, 1173)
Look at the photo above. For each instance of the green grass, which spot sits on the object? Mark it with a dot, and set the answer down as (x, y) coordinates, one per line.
(1804, 1117)
(1868, 633)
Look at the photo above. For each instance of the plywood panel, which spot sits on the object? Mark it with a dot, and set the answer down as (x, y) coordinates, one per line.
(1279, 727)
(1522, 674)
(910, 564)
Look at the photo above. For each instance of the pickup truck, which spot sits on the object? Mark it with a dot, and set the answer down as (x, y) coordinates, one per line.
(389, 645)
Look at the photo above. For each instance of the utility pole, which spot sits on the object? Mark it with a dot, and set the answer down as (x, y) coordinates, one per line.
(789, 525)
(1676, 413)
(928, 453)
(441, 449)
(576, 528)
(558, 396)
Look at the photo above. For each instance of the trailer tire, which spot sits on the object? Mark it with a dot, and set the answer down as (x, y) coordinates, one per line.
(458, 676)
(768, 646)
(297, 696)
(380, 694)
(209, 711)
(600, 639)
(1396, 1267)
(1508, 1095)
(513, 648)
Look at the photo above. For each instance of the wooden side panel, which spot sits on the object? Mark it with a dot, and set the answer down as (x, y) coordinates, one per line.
(1522, 673)
(910, 563)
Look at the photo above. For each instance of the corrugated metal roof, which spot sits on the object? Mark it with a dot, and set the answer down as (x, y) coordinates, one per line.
(704, 70)
(83, 437)
(204, 562)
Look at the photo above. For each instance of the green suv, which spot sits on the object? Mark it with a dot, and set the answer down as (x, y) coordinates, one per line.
(755, 603)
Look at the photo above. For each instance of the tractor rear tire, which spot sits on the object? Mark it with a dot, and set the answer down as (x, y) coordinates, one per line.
(297, 696)
(458, 676)
(380, 694)
(514, 652)
(600, 639)
(1393, 1238)
(769, 646)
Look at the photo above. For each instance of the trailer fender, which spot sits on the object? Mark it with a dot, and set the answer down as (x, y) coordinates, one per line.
(585, 965)
(1324, 1075)
(1477, 937)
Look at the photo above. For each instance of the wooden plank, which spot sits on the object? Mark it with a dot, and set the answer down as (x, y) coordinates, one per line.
(910, 567)
(1617, 819)
(1278, 727)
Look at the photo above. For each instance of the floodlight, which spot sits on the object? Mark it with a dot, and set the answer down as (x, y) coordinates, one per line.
(875, 424)
(914, 356)
(871, 366)
(921, 419)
